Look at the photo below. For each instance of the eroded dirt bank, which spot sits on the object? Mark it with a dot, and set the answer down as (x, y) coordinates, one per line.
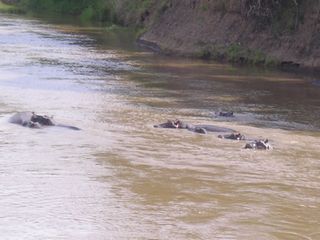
(267, 32)
(227, 30)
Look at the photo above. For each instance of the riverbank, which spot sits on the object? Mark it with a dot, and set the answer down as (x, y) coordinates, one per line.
(227, 32)
(270, 33)
(6, 7)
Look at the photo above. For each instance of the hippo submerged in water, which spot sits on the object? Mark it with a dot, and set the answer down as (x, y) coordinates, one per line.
(254, 144)
(32, 120)
(203, 129)
(224, 114)
(233, 136)
(259, 145)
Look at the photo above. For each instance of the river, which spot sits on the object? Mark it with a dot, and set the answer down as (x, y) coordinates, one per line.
(120, 178)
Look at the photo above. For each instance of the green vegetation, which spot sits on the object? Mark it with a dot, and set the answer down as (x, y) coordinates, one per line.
(204, 7)
(279, 17)
(98, 10)
(139, 13)
(137, 6)
(288, 16)
(123, 12)
(113, 13)
(7, 8)
(236, 53)
(283, 16)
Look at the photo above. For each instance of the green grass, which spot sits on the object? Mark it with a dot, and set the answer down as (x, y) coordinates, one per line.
(85, 10)
(236, 53)
(6, 7)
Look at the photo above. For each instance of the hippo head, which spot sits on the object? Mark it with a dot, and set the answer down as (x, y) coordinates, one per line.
(168, 124)
(42, 120)
(33, 124)
(233, 136)
(263, 144)
(180, 124)
(259, 144)
(237, 136)
(226, 114)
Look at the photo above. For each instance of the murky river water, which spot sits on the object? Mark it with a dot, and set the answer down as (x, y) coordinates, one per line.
(120, 178)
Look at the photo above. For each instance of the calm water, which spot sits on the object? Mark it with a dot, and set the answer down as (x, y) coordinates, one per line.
(119, 178)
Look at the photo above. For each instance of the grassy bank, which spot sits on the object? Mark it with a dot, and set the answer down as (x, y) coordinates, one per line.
(122, 12)
(235, 53)
(7, 8)
(87, 10)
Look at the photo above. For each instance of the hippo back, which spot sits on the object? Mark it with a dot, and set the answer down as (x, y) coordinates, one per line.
(68, 126)
(212, 128)
(168, 124)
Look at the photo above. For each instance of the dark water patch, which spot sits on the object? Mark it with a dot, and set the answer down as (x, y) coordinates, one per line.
(273, 97)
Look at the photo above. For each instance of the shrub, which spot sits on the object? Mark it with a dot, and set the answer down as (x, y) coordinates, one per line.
(85, 9)
(282, 15)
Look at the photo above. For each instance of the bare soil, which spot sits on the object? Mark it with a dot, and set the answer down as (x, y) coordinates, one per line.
(189, 27)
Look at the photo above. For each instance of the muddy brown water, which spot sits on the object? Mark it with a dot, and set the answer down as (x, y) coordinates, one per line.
(120, 178)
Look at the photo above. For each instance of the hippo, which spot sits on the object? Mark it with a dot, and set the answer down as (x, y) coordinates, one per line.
(259, 144)
(233, 136)
(225, 114)
(32, 120)
(203, 129)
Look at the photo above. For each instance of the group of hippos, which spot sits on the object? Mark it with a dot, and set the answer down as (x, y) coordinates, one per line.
(226, 133)
(33, 120)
